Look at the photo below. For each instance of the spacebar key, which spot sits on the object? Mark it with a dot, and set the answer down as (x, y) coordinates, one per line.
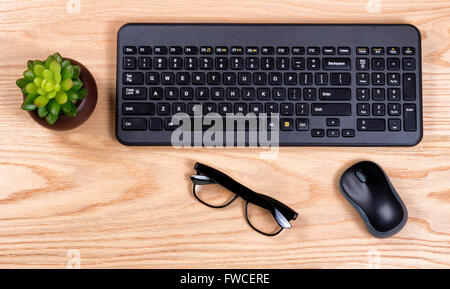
(331, 109)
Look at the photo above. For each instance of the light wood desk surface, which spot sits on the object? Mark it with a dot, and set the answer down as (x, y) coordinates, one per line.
(133, 207)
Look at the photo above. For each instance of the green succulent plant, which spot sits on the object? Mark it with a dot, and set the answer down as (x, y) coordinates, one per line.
(52, 87)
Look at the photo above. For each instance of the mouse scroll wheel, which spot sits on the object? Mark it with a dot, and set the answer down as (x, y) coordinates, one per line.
(361, 177)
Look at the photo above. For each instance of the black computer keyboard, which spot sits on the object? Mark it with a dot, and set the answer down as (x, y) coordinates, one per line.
(352, 85)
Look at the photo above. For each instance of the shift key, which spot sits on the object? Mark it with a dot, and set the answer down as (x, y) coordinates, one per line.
(331, 109)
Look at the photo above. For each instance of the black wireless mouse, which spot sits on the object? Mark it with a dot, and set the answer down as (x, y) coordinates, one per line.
(368, 189)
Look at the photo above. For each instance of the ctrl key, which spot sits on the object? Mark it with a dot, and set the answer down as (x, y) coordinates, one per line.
(134, 124)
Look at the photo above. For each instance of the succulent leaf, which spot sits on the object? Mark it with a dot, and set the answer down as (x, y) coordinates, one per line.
(42, 111)
(51, 118)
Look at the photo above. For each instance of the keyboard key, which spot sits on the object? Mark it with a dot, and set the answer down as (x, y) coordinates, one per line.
(363, 94)
(394, 94)
(163, 109)
(129, 50)
(248, 93)
(145, 63)
(169, 125)
(321, 78)
(221, 50)
(237, 50)
(332, 133)
(155, 124)
(298, 63)
(129, 63)
(252, 63)
(362, 50)
(267, 50)
(394, 109)
(336, 63)
(313, 50)
(286, 124)
(348, 132)
(335, 93)
(371, 124)
(282, 63)
(378, 109)
(286, 109)
(344, 50)
(409, 86)
(152, 78)
(171, 93)
(168, 78)
(175, 50)
(378, 78)
(340, 79)
(362, 63)
(317, 133)
(297, 50)
(267, 63)
(408, 51)
(328, 50)
(309, 94)
(393, 78)
(362, 79)
(409, 116)
(313, 63)
(331, 109)
(377, 51)
(409, 64)
(393, 63)
(145, 50)
(161, 50)
(377, 63)
(134, 93)
(363, 109)
(156, 93)
(134, 124)
(378, 94)
(332, 121)
(217, 93)
(133, 78)
(179, 107)
(302, 124)
(283, 50)
(175, 63)
(302, 109)
(252, 50)
(138, 108)
(186, 93)
(394, 124)
(206, 50)
(160, 63)
(393, 50)
(190, 50)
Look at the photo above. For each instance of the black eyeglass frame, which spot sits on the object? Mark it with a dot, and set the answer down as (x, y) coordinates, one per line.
(208, 175)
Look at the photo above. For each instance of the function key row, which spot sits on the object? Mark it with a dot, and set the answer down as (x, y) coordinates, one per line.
(266, 50)
(237, 50)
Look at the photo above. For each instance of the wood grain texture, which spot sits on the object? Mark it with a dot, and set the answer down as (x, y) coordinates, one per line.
(132, 206)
